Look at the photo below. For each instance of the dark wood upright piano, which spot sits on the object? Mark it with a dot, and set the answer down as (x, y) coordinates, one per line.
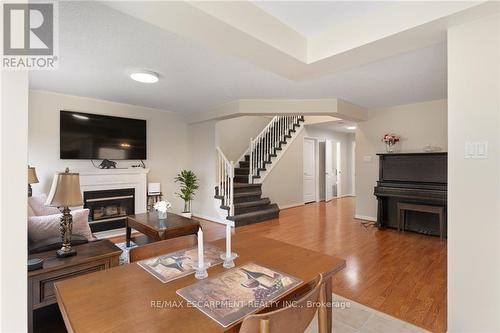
(419, 178)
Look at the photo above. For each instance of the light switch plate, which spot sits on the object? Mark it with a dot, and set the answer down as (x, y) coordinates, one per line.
(470, 149)
(482, 149)
(476, 149)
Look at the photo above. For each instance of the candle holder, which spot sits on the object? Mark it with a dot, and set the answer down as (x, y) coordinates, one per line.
(228, 261)
(201, 272)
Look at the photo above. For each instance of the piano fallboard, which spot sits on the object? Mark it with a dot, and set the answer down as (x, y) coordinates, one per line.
(411, 193)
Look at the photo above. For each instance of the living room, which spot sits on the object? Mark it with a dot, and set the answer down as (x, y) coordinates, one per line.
(254, 128)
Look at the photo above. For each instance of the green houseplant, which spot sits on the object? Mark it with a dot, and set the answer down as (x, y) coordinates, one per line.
(189, 184)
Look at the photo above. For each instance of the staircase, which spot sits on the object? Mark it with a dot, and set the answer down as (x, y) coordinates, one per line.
(239, 188)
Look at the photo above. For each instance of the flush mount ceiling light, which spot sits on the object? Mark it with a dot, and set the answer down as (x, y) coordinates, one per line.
(145, 76)
(351, 127)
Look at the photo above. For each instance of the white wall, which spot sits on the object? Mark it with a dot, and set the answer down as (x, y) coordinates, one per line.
(418, 124)
(345, 140)
(474, 185)
(284, 185)
(13, 200)
(167, 137)
(202, 159)
(233, 135)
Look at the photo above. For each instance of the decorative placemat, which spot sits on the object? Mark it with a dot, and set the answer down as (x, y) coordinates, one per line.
(238, 292)
(171, 266)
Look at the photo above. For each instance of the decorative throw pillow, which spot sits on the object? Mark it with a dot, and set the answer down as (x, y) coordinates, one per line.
(47, 226)
(37, 204)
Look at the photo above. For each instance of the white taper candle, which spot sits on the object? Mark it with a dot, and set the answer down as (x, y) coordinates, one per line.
(228, 241)
(201, 259)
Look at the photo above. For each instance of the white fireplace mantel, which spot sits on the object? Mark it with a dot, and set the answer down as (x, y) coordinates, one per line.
(113, 179)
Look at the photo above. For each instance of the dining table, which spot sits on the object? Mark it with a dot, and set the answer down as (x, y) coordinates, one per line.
(129, 299)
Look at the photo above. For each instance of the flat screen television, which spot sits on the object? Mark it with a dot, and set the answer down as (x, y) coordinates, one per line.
(88, 136)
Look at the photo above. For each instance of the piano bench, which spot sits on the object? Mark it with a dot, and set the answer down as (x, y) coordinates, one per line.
(403, 207)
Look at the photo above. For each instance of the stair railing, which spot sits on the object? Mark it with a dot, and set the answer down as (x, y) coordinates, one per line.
(225, 179)
(264, 145)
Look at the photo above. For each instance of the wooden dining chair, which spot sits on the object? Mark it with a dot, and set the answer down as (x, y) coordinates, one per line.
(294, 318)
(161, 247)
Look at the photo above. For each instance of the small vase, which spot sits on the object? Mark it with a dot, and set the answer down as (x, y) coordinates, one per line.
(390, 147)
(162, 215)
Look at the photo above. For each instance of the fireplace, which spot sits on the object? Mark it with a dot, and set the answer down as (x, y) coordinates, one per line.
(109, 208)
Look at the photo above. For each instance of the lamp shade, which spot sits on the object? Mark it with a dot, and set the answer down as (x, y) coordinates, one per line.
(65, 190)
(32, 178)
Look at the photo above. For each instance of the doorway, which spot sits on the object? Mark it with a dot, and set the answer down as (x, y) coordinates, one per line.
(333, 184)
(309, 170)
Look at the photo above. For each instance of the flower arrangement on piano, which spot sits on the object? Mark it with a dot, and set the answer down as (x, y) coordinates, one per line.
(390, 141)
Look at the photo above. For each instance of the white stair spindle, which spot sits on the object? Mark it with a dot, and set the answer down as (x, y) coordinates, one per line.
(231, 186)
(227, 189)
(223, 181)
(250, 165)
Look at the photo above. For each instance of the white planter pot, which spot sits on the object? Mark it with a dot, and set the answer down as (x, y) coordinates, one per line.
(188, 215)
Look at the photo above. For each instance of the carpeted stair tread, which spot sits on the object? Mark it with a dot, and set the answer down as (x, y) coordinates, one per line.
(249, 206)
(256, 203)
(246, 185)
(273, 209)
(246, 194)
(261, 202)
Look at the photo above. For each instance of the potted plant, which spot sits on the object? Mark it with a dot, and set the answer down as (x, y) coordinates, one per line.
(189, 184)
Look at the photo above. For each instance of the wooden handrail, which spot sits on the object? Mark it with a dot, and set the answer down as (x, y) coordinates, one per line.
(263, 147)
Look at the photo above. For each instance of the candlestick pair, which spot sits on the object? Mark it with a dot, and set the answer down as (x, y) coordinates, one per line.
(229, 256)
(201, 269)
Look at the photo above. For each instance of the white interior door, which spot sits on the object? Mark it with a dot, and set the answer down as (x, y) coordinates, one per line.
(309, 170)
(337, 158)
(329, 170)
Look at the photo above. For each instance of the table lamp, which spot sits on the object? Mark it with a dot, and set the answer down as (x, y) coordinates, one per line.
(32, 179)
(65, 193)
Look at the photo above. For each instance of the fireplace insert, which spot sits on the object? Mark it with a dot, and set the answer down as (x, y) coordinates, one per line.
(109, 208)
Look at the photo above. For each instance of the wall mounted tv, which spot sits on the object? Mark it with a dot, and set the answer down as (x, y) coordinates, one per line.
(88, 136)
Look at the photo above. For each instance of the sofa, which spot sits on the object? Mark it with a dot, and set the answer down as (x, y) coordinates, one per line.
(43, 226)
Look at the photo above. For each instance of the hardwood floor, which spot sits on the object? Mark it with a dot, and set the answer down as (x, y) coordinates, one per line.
(401, 274)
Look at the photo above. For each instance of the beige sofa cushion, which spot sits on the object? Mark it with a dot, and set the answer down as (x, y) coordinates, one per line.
(43, 227)
(38, 208)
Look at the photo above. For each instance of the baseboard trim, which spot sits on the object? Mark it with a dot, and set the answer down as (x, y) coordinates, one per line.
(212, 219)
(292, 205)
(366, 218)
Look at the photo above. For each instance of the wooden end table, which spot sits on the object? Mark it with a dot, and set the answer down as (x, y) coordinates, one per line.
(149, 225)
(91, 257)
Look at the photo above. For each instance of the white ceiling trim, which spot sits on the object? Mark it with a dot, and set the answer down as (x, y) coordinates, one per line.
(99, 46)
(242, 29)
(252, 20)
(333, 107)
(397, 18)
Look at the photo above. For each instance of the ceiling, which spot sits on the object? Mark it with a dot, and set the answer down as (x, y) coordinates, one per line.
(99, 47)
(343, 126)
(311, 18)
